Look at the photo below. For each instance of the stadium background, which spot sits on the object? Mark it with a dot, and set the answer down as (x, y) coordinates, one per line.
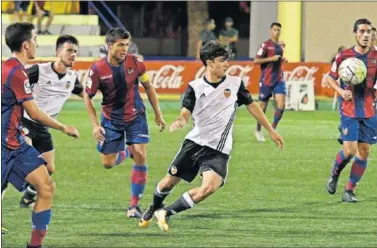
(272, 198)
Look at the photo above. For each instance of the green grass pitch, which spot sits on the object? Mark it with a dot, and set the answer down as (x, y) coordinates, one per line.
(271, 197)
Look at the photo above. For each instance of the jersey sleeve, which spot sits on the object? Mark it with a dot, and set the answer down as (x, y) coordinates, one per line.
(92, 84)
(33, 73)
(189, 99)
(262, 51)
(335, 66)
(78, 88)
(243, 95)
(142, 70)
(21, 86)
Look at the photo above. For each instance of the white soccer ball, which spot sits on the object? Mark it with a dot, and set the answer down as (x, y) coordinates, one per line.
(352, 71)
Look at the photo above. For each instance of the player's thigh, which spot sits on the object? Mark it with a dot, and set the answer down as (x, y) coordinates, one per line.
(26, 160)
(265, 92)
(185, 164)
(215, 161)
(137, 131)
(368, 131)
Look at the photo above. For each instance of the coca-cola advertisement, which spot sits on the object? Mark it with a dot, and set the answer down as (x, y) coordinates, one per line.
(172, 77)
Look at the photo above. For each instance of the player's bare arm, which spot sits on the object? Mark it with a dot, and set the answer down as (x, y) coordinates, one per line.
(256, 111)
(36, 114)
(181, 121)
(198, 47)
(346, 94)
(98, 130)
(267, 60)
(152, 97)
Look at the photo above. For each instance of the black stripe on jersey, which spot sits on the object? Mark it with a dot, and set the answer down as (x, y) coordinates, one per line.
(225, 134)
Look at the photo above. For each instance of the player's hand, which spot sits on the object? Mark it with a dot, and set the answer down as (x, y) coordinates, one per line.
(346, 94)
(275, 58)
(160, 122)
(277, 139)
(177, 124)
(284, 60)
(99, 133)
(71, 131)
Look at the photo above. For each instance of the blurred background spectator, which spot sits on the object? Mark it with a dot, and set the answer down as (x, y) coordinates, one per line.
(229, 35)
(20, 11)
(206, 35)
(40, 11)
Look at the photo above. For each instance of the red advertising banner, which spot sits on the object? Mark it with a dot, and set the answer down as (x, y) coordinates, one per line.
(172, 76)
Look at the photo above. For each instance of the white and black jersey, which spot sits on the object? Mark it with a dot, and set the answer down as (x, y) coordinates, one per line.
(50, 91)
(207, 146)
(213, 108)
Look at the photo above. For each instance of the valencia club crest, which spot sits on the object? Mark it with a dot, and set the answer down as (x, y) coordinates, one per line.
(227, 93)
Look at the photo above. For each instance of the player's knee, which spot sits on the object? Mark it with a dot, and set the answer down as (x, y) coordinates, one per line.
(140, 154)
(108, 166)
(364, 153)
(349, 151)
(166, 185)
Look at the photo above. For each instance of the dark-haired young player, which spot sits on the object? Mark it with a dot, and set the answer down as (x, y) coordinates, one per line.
(212, 102)
(53, 83)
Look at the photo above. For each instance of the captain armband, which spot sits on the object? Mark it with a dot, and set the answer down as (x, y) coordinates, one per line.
(144, 78)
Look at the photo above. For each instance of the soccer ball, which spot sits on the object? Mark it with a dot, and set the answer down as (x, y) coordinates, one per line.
(352, 71)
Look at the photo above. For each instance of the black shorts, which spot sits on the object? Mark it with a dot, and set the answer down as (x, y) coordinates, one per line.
(39, 134)
(21, 5)
(193, 159)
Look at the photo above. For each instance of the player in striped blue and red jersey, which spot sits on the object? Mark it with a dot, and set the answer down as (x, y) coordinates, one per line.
(357, 111)
(270, 57)
(19, 161)
(123, 115)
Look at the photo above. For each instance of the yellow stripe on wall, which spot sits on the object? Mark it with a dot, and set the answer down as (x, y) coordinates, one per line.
(289, 15)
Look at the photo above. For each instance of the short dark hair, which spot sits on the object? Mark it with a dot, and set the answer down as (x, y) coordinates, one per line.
(275, 24)
(212, 50)
(360, 22)
(66, 38)
(208, 21)
(115, 34)
(374, 29)
(16, 34)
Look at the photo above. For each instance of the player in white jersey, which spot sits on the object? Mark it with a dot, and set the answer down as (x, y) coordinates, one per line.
(53, 83)
(212, 101)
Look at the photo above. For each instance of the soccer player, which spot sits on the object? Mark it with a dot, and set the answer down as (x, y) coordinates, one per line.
(20, 162)
(212, 101)
(358, 115)
(123, 113)
(270, 57)
(53, 83)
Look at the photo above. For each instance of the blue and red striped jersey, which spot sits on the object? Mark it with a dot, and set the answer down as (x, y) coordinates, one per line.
(15, 89)
(363, 95)
(272, 71)
(119, 86)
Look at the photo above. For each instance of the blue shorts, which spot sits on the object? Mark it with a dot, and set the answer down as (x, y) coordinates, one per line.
(17, 164)
(135, 132)
(362, 130)
(266, 91)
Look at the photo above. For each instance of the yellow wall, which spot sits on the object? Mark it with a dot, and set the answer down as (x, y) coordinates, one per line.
(327, 25)
(289, 15)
